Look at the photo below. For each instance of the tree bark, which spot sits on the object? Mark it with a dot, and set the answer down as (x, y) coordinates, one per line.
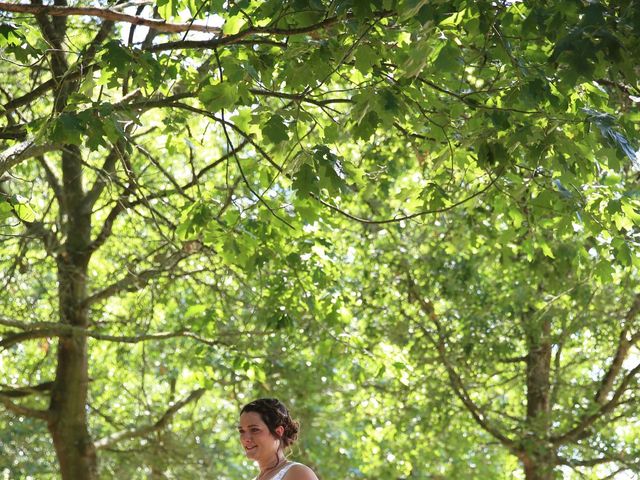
(68, 416)
(539, 455)
(68, 425)
(539, 469)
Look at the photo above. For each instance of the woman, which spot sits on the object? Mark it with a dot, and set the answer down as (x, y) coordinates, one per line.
(266, 430)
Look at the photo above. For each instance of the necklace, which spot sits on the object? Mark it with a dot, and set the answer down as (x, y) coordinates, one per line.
(269, 471)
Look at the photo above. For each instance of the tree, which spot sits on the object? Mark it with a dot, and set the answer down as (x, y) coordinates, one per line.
(538, 352)
(137, 164)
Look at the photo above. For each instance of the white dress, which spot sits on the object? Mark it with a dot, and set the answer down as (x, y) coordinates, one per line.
(284, 471)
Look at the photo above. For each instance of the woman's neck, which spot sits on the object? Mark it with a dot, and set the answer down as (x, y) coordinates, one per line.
(269, 465)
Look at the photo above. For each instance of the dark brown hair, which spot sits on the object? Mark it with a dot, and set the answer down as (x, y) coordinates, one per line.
(274, 414)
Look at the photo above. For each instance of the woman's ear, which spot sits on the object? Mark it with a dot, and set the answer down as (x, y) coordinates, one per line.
(280, 431)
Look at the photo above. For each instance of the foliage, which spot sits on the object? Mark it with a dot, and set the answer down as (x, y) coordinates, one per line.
(415, 221)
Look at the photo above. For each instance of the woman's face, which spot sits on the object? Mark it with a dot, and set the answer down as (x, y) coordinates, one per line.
(258, 442)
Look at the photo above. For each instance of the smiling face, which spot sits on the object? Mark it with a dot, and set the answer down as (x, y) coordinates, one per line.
(258, 442)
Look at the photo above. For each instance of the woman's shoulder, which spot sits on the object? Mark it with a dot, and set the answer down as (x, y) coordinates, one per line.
(299, 471)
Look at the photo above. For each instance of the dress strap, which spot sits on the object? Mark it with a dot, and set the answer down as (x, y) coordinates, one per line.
(284, 471)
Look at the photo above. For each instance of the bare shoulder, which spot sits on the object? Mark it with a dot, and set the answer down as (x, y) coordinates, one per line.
(300, 472)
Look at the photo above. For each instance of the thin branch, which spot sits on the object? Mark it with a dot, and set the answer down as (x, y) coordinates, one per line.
(107, 14)
(624, 345)
(13, 132)
(52, 180)
(473, 103)
(13, 339)
(144, 430)
(455, 380)
(240, 36)
(587, 420)
(134, 281)
(108, 168)
(23, 411)
(27, 98)
(20, 392)
(163, 170)
(406, 217)
(591, 462)
(49, 330)
(299, 97)
(123, 204)
(23, 151)
(7, 322)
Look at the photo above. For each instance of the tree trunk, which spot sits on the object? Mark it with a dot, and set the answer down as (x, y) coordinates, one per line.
(538, 378)
(539, 457)
(541, 467)
(68, 426)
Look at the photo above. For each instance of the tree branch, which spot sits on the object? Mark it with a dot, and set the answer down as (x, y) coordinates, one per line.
(144, 430)
(624, 345)
(7, 322)
(123, 204)
(48, 329)
(587, 420)
(23, 151)
(27, 98)
(455, 380)
(370, 221)
(108, 168)
(240, 36)
(133, 281)
(107, 14)
(24, 411)
(13, 339)
(299, 97)
(606, 385)
(20, 392)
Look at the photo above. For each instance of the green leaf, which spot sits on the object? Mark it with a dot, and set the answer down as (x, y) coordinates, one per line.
(117, 57)
(367, 126)
(517, 217)
(604, 270)
(366, 58)
(331, 133)
(167, 8)
(622, 222)
(276, 130)
(219, 96)
(414, 58)
(5, 210)
(630, 212)
(622, 252)
(449, 58)
(434, 196)
(68, 129)
(409, 8)
(10, 35)
(195, 311)
(306, 180)
(233, 25)
(331, 172)
(546, 249)
(25, 212)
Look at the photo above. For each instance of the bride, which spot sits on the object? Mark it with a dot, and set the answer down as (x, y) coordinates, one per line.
(266, 430)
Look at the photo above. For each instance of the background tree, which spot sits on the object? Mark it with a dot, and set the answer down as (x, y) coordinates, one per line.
(176, 204)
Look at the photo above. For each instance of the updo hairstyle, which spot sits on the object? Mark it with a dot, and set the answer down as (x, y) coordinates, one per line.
(274, 414)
